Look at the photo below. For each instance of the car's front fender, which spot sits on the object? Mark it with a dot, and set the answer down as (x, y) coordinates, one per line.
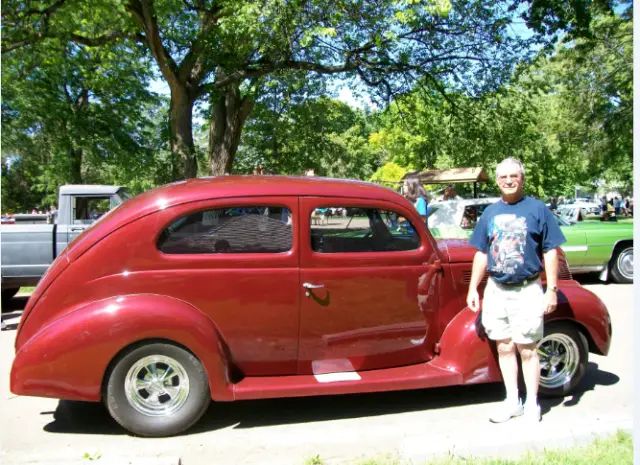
(68, 358)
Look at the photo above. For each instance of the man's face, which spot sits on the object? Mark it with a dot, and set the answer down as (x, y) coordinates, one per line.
(510, 180)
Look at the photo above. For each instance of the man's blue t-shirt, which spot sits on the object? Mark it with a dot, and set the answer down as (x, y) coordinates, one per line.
(514, 237)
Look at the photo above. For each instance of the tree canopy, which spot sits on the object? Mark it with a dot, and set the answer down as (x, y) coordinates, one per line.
(455, 82)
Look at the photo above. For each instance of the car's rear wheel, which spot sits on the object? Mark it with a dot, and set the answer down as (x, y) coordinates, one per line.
(622, 264)
(563, 353)
(157, 389)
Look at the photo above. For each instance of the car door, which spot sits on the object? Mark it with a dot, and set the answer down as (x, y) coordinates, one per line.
(369, 283)
(236, 260)
(576, 246)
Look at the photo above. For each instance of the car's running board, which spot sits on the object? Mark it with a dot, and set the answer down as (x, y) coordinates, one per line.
(418, 376)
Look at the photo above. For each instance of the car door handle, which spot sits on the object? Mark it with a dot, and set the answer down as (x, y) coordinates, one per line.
(77, 229)
(312, 286)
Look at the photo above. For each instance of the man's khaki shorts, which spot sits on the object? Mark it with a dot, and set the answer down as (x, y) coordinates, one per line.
(514, 313)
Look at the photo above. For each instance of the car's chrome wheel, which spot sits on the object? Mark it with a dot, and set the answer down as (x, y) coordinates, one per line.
(157, 389)
(157, 385)
(559, 360)
(625, 263)
(622, 266)
(563, 355)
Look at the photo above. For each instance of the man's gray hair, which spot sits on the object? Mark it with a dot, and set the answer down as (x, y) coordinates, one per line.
(510, 161)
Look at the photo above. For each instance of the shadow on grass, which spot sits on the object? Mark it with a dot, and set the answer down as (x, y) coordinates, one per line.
(93, 418)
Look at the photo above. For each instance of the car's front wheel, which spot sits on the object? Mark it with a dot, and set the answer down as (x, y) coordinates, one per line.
(622, 264)
(157, 390)
(563, 354)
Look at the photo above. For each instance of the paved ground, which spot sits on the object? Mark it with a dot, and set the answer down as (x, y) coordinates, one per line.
(415, 425)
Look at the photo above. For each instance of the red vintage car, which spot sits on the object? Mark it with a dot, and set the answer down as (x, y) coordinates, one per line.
(225, 289)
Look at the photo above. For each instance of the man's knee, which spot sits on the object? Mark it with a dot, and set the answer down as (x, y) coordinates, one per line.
(527, 351)
(506, 347)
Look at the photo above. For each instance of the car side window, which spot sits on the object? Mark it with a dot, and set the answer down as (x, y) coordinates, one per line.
(345, 230)
(86, 210)
(471, 215)
(249, 229)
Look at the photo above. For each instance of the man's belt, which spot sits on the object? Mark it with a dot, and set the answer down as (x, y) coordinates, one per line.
(529, 280)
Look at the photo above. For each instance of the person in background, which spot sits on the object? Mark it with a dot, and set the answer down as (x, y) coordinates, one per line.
(417, 195)
(616, 206)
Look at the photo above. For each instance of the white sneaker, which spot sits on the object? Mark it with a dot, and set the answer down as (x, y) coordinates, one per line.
(532, 413)
(506, 411)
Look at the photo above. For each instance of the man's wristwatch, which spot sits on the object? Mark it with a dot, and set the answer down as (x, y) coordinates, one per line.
(553, 288)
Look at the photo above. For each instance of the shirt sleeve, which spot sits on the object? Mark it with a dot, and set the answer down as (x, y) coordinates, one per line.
(479, 239)
(552, 236)
(421, 206)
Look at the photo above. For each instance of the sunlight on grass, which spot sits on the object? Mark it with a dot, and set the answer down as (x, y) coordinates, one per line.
(611, 450)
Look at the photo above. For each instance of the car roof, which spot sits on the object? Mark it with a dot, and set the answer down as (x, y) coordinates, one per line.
(88, 189)
(239, 186)
(222, 187)
(465, 202)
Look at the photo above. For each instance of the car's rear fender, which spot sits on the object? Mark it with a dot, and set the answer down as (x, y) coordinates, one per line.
(464, 348)
(585, 309)
(69, 357)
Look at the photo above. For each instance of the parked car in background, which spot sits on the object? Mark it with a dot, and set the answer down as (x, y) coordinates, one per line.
(31, 242)
(587, 206)
(226, 289)
(592, 246)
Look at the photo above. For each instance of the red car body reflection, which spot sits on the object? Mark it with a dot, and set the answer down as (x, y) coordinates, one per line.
(292, 323)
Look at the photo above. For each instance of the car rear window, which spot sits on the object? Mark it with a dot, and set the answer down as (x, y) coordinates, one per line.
(250, 229)
(344, 230)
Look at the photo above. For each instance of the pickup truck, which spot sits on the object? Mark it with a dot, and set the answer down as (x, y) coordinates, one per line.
(32, 242)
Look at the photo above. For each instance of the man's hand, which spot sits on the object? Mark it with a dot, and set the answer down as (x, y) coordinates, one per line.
(473, 300)
(550, 302)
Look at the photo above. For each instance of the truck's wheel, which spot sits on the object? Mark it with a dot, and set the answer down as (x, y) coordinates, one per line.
(563, 353)
(7, 294)
(622, 264)
(157, 390)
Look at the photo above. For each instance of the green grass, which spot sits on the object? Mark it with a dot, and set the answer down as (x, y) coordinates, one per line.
(27, 289)
(612, 450)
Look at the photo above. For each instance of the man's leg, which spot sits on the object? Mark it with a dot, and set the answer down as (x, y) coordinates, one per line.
(508, 367)
(530, 370)
(531, 374)
(511, 407)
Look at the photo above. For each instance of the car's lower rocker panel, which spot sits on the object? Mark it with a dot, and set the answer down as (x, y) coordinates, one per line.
(418, 376)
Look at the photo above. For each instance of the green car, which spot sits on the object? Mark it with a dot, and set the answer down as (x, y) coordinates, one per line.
(591, 246)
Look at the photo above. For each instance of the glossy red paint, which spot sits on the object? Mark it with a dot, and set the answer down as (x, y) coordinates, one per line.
(69, 358)
(248, 318)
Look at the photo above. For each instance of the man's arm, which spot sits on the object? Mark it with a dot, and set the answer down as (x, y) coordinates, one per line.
(551, 270)
(477, 273)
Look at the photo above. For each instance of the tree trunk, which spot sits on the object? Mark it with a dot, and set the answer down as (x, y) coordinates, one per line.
(75, 156)
(180, 122)
(229, 112)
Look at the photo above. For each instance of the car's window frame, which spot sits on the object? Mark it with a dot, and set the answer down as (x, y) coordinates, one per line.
(370, 228)
(310, 258)
(232, 260)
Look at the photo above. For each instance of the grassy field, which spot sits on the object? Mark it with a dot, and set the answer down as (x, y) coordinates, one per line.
(612, 450)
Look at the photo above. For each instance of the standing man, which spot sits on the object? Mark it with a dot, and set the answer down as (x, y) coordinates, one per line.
(512, 238)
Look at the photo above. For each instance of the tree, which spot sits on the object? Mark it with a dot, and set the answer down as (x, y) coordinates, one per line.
(223, 50)
(74, 114)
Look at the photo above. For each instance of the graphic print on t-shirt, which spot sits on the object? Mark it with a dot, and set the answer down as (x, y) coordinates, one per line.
(508, 237)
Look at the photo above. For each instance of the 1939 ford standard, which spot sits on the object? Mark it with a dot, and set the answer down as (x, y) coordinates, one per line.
(233, 288)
